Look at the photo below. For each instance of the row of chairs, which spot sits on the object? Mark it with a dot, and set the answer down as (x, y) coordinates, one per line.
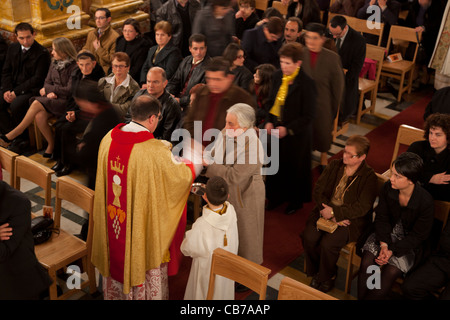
(63, 248)
(401, 70)
(255, 277)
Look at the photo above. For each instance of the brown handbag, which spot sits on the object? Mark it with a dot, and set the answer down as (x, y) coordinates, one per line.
(326, 225)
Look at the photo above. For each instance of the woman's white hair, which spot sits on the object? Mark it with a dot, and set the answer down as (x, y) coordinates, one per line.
(244, 113)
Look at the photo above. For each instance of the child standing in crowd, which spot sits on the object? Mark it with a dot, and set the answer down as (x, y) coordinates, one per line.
(216, 228)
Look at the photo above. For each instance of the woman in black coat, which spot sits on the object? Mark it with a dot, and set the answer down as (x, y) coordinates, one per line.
(135, 45)
(21, 275)
(164, 54)
(291, 110)
(403, 221)
(435, 153)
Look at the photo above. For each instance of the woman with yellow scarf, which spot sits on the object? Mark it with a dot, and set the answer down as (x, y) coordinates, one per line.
(291, 111)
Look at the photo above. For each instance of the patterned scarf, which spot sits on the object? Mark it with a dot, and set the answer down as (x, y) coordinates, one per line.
(282, 93)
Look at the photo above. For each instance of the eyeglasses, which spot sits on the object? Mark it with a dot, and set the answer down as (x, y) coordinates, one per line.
(240, 57)
(351, 155)
(99, 18)
(337, 34)
(159, 116)
(119, 66)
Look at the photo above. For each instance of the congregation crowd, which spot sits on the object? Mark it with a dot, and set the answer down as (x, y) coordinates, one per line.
(115, 110)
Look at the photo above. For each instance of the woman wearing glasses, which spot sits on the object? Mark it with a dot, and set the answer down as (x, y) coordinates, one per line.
(242, 76)
(344, 193)
(119, 87)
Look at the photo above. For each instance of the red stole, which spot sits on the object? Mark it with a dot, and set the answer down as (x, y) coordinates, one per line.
(119, 153)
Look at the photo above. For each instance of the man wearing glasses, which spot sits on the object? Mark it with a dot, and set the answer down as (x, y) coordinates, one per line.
(351, 47)
(102, 41)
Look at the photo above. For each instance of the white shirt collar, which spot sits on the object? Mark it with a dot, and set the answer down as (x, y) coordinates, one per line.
(134, 127)
(125, 82)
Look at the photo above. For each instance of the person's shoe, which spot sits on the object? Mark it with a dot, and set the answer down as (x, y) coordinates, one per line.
(292, 208)
(58, 166)
(47, 155)
(64, 172)
(19, 146)
(327, 285)
(4, 141)
(315, 282)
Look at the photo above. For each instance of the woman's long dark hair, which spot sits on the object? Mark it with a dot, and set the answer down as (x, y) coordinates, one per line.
(265, 72)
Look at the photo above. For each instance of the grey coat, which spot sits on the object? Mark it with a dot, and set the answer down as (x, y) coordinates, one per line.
(329, 79)
(121, 100)
(246, 189)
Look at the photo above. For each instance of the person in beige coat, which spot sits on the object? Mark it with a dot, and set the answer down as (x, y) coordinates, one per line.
(242, 171)
(119, 87)
(102, 41)
(325, 68)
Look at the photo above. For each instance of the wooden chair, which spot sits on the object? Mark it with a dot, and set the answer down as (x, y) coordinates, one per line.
(348, 253)
(261, 5)
(339, 130)
(7, 161)
(366, 85)
(280, 7)
(35, 172)
(400, 69)
(406, 135)
(64, 249)
(241, 270)
(291, 289)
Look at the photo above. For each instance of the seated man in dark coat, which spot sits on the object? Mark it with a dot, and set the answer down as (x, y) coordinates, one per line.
(171, 111)
(190, 72)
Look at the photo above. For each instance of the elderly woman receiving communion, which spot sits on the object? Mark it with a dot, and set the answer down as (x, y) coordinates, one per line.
(241, 169)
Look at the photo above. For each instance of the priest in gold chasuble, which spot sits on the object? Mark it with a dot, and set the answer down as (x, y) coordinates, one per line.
(140, 207)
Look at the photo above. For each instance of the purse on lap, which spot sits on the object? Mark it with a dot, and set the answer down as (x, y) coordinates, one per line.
(326, 225)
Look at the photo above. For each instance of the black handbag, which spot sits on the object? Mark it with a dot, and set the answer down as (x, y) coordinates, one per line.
(421, 56)
(41, 228)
